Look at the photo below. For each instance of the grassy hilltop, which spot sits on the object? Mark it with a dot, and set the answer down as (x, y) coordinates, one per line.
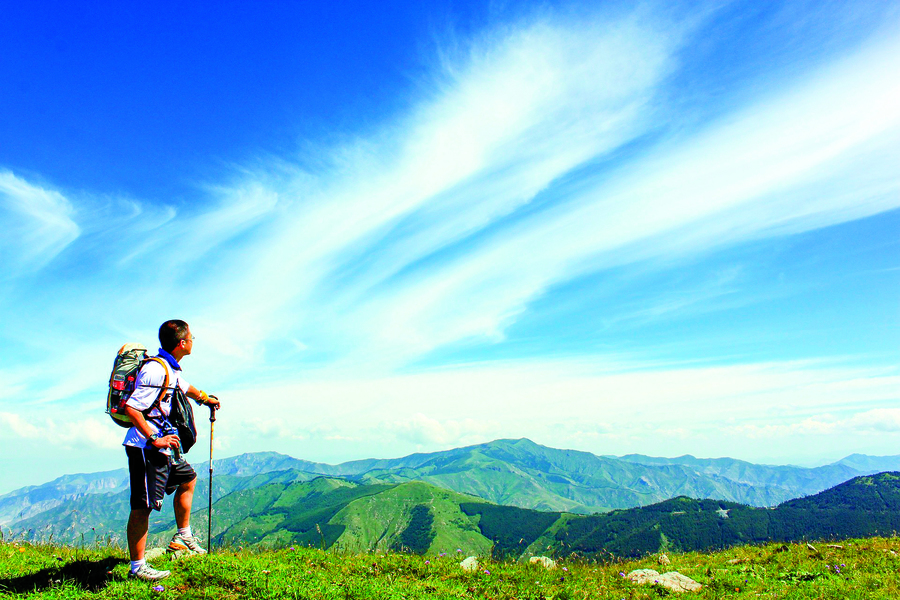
(851, 569)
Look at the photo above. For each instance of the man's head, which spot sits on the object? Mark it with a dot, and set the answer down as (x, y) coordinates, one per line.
(175, 337)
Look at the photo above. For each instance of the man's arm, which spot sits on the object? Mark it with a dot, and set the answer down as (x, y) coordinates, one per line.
(202, 397)
(138, 420)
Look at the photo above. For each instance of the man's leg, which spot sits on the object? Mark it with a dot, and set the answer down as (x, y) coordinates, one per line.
(138, 523)
(184, 498)
(147, 473)
(184, 477)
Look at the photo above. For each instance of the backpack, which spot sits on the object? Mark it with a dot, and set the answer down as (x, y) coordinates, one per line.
(181, 417)
(128, 362)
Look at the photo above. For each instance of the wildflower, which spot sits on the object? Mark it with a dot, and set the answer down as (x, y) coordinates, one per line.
(843, 565)
(291, 548)
(158, 588)
(458, 550)
(427, 562)
(621, 574)
(266, 571)
(486, 571)
(21, 549)
(565, 568)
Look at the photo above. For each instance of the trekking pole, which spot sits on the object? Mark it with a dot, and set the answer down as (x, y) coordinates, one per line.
(212, 424)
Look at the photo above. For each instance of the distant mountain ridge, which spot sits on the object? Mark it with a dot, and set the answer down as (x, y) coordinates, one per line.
(510, 472)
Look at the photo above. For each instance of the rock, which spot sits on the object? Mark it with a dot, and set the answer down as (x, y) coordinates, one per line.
(677, 582)
(544, 561)
(469, 564)
(663, 560)
(673, 580)
(837, 546)
(643, 576)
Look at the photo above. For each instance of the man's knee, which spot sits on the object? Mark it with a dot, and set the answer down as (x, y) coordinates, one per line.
(139, 514)
(187, 486)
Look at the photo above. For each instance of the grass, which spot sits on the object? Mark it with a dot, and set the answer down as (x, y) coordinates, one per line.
(859, 569)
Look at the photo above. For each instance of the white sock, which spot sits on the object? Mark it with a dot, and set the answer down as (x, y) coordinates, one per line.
(185, 531)
(136, 565)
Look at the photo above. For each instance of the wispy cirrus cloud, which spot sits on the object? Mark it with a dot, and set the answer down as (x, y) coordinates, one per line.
(38, 223)
(787, 165)
(439, 230)
(507, 178)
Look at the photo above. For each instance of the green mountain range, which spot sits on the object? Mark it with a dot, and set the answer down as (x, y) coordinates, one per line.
(517, 473)
(421, 518)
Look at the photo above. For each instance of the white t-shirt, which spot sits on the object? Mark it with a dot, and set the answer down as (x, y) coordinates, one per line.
(150, 380)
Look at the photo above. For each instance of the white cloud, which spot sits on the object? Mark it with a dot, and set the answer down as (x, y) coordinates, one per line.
(522, 111)
(37, 224)
(59, 432)
(19, 426)
(350, 259)
(415, 237)
(874, 421)
(426, 432)
(815, 155)
(577, 403)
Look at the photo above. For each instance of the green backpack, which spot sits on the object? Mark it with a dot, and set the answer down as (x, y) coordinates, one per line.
(128, 363)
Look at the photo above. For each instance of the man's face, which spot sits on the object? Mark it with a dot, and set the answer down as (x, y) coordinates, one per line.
(187, 342)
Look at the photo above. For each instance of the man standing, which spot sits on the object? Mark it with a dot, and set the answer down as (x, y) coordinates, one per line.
(154, 468)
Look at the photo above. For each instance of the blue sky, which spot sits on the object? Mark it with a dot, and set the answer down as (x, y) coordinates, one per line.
(662, 228)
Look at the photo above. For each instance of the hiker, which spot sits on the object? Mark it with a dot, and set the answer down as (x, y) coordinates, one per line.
(154, 463)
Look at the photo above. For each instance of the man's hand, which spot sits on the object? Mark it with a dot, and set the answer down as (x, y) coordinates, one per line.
(203, 398)
(168, 441)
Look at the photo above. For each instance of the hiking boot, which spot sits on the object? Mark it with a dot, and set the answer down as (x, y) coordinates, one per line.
(186, 544)
(148, 573)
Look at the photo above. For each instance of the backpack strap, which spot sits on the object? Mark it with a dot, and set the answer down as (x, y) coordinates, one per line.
(162, 390)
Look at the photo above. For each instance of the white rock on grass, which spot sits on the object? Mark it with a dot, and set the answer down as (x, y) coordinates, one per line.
(673, 580)
(643, 576)
(469, 564)
(663, 559)
(544, 561)
(677, 582)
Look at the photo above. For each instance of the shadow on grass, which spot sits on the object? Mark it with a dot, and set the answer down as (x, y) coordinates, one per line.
(89, 575)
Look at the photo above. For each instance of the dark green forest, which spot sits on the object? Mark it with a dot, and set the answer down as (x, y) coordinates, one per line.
(862, 507)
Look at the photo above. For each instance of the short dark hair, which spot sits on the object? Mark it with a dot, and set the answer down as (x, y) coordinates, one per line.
(171, 333)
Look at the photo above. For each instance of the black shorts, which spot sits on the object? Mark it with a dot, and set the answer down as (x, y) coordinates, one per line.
(152, 476)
